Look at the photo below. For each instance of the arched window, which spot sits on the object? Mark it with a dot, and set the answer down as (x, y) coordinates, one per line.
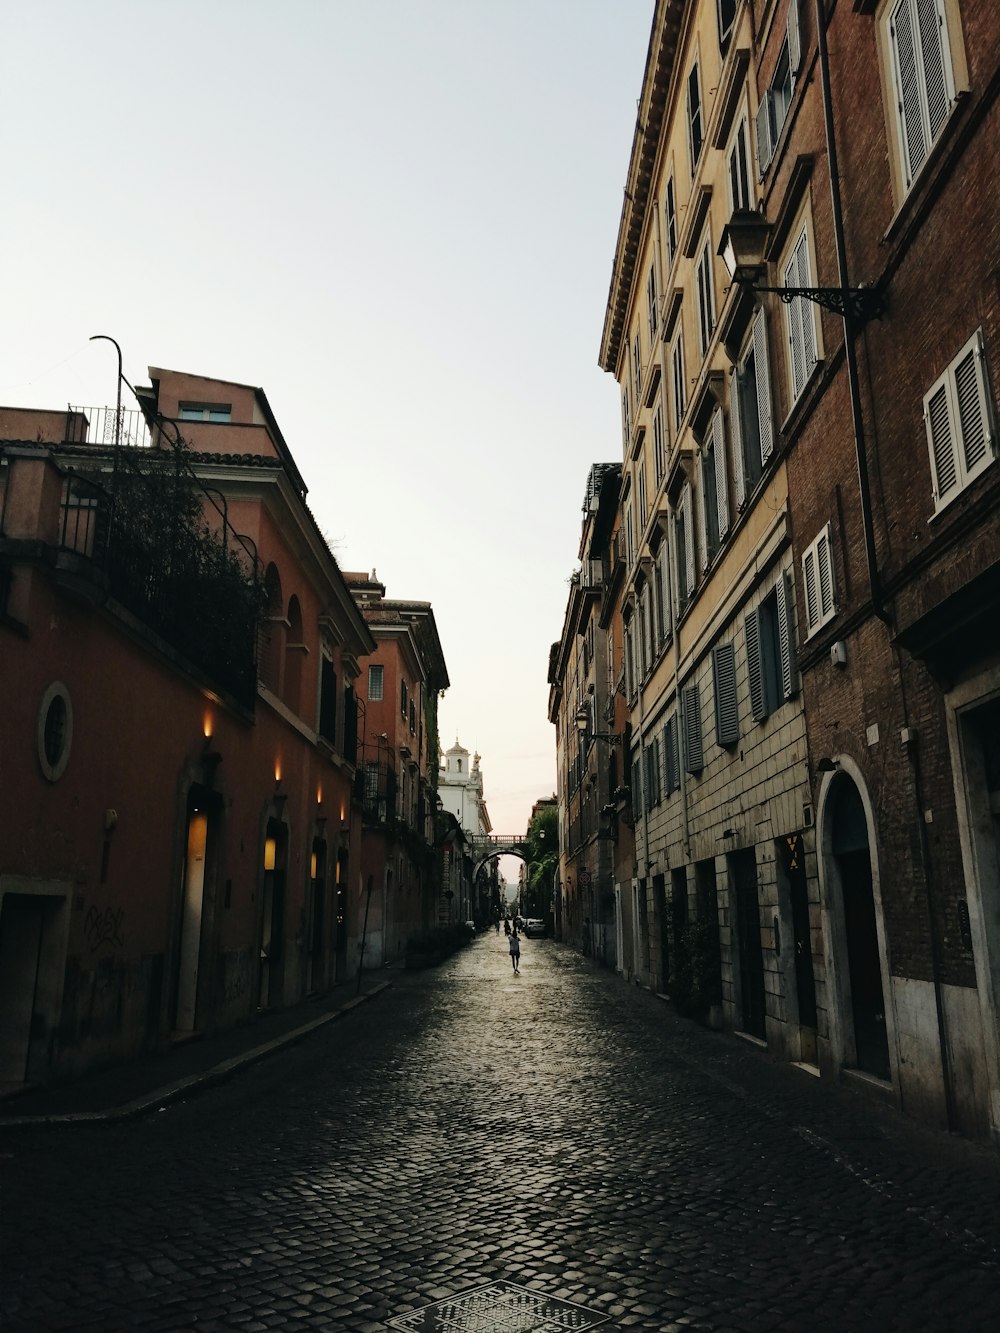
(295, 650)
(271, 636)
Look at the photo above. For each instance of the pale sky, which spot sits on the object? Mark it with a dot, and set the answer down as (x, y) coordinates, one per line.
(396, 217)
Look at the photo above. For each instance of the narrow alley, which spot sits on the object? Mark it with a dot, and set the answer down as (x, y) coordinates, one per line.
(477, 1150)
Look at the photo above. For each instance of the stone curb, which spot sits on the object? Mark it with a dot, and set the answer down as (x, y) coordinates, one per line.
(208, 1078)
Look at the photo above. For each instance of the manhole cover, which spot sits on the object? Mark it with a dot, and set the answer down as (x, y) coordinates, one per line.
(502, 1307)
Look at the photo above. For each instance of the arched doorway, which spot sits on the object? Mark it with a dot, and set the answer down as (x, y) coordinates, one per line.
(852, 900)
(203, 815)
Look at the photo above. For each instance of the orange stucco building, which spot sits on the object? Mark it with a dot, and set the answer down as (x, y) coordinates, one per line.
(178, 729)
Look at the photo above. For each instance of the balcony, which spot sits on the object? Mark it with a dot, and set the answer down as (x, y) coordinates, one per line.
(149, 536)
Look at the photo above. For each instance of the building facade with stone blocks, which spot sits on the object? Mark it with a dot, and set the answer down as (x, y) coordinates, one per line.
(179, 657)
(727, 893)
(396, 778)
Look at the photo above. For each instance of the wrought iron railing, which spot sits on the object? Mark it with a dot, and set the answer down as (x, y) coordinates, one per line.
(113, 426)
(164, 543)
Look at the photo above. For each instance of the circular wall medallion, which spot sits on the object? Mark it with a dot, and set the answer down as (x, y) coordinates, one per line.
(55, 731)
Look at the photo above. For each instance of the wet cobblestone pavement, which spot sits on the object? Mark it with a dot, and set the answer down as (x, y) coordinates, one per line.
(558, 1133)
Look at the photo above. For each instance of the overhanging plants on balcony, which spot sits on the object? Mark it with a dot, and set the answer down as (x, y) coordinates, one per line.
(171, 558)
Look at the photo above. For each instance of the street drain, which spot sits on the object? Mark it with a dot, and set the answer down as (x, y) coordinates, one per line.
(502, 1307)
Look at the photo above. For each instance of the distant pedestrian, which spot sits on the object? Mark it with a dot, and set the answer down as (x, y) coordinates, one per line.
(497, 924)
(506, 927)
(515, 950)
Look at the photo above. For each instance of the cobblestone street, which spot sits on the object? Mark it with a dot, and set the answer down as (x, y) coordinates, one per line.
(559, 1130)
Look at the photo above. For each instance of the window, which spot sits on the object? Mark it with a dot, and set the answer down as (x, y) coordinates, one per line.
(680, 397)
(646, 626)
(767, 633)
(750, 412)
(818, 581)
(671, 755)
(726, 11)
(694, 754)
(706, 298)
(958, 421)
(922, 77)
(714, 508)
(626, 417)
(663, 589)
(54, 731)
(774, 105)
(670, 222)
(413, 719)
(629, 537)
(640, 485)
(651, 314)
(739, 170)
(328, 700)
(637, 369)
(205, 412)
(376, 683)
(630, 681)
(402, 699)
(659, 453)
(653, 793)
(695, 129)
(727, 715)
(684, 546)
(800, 316)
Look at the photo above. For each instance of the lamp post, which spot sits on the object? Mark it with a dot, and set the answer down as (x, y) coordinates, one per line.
(583, 727)
(742, 245)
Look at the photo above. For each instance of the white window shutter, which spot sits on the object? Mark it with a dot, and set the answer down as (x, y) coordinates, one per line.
(702, 514)
(907, 79)
(762, 125)
(736, 430)
(689, 555)
(721, 484)
(794, 37)
(763, 386)
(941, 439)
(824, 573)
(751, 634)
(668, 622)
(973, 410)
(931, 24)
(789, 678)
(806, 308)
(811, 588)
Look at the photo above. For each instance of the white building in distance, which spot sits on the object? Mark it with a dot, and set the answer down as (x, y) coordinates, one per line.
(460, 789)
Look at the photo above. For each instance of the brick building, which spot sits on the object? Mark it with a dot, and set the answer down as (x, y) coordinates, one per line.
(810, 518)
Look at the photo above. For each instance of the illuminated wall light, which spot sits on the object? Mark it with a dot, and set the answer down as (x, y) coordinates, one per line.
(319, 794)
(312, 866)
(270, 849)
(343, 813)
(277, 770)
(206, 725)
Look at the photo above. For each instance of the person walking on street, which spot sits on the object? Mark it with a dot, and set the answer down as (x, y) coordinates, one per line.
(506, 926)
(515, 950)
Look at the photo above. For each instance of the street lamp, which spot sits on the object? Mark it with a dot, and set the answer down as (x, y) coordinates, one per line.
(583, 727)
(742, 246)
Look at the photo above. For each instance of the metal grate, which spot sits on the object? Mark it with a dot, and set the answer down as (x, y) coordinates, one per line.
(502, 1307)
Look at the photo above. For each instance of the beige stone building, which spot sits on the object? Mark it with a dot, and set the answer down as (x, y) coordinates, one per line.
(724, 873)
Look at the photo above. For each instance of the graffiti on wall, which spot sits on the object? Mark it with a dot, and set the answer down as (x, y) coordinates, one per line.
(105, 926)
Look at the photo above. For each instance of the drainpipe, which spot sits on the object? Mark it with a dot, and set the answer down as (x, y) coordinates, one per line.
(874, 580)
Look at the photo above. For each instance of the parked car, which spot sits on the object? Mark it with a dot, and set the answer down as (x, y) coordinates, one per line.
(534, 928)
